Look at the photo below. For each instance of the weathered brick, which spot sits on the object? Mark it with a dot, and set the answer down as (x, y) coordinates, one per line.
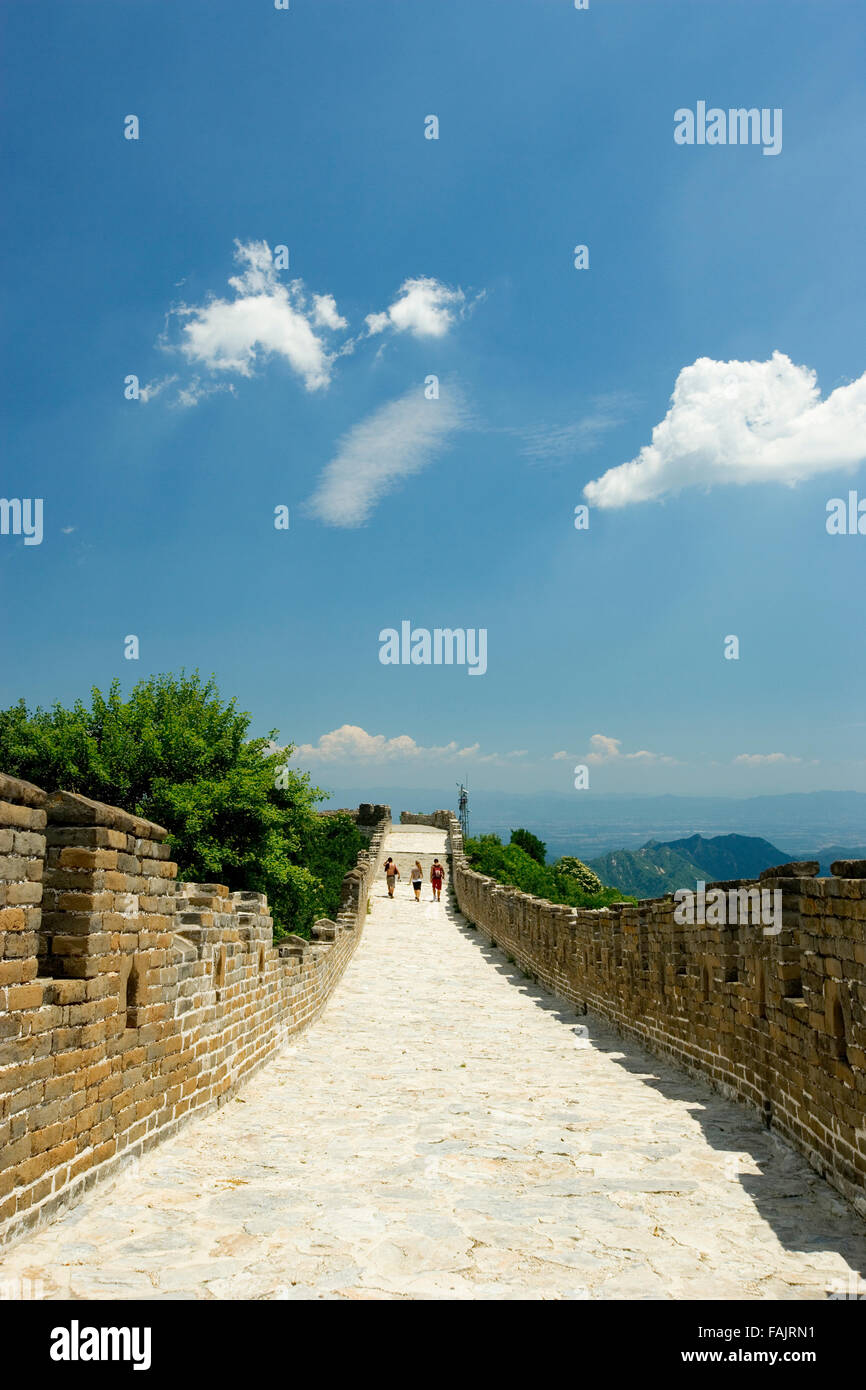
(16, 972)
(71, 858)
(124, 1056)
(25, 996)
(17, 893)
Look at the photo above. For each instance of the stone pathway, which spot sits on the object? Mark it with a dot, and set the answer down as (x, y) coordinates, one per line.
(443, 1131)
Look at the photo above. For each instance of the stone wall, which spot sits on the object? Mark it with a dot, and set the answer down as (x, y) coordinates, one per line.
(777, 1021)
(129, 1001)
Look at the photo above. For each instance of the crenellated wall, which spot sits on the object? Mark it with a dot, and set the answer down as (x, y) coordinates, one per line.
(776, 1020)
(128, 1000)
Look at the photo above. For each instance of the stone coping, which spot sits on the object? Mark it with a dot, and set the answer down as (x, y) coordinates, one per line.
(21, 793)
(70, 808)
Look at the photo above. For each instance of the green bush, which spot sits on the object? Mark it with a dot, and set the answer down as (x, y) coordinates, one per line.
(176, 753)
(572, 870)
(511, 864)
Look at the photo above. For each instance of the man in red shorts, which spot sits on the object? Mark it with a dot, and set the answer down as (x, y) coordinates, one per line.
(437, 874)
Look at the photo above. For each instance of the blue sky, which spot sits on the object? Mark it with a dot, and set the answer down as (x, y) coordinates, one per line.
(411, 257)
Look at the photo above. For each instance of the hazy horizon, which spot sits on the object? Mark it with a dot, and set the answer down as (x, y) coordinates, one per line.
(793, 821)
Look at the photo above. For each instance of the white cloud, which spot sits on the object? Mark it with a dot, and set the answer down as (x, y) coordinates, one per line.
(755, 759)
(398, 439)
(742, 422)
(265, 318)
(603, 749)
(352, 743)
(424, 307)
(325, 312)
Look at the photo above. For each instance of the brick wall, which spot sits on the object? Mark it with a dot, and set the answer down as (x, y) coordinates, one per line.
(778, 1021)
(128, 1000)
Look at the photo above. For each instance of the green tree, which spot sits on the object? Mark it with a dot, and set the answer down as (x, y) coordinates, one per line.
(176, 753)
(535, 848)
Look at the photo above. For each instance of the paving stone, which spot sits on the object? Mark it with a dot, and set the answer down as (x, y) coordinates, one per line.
(436, 1134)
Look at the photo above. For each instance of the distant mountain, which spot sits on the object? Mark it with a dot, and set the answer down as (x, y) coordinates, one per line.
(659, 867)
(649, 872)
(730, 856)
(828, 853)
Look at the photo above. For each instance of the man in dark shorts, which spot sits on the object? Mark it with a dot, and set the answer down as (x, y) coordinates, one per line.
(437, 874)
(392, 873)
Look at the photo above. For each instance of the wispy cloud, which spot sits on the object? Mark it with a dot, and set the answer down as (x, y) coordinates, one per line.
(152, 389)
(742, 422)
(198, 390)
(398, 439)
(545, 443)
(758, 759)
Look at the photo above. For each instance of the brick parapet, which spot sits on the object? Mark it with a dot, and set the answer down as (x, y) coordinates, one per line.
(129, 1000)
(775, 1020)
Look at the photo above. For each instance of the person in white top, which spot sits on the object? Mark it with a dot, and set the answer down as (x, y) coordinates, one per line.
(417, 879)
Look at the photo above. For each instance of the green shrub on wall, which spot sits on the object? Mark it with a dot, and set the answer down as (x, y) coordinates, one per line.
(571, 870)
(567, 881)
(176, 753)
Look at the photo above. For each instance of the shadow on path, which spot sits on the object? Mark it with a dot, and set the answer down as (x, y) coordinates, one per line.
(784, 1180)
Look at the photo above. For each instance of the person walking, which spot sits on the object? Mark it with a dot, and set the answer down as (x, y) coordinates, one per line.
(392, 873)
(417, 879)
(437, 874)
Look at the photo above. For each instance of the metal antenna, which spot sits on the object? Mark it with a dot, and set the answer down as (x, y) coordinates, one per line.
(463, 809)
